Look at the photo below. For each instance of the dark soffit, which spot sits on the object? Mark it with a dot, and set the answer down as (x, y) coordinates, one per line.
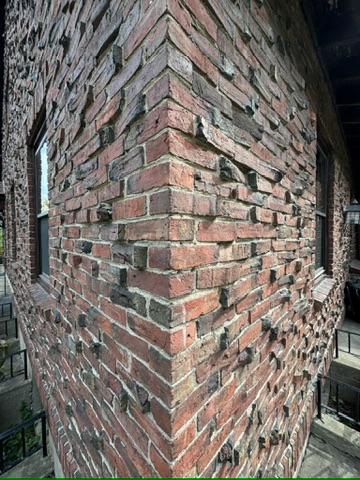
(335, 28)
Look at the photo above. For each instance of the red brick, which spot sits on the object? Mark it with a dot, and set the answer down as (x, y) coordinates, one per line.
(161, 175)
(203, 16)
(160, 464)
(181, 339)
(156, 37)
(129, 341)
(131, 208)
(112, 151)
(111, 110)
(190, 150)
(161, 284)
(191, 256)
(256, 231)
(167, 115)
(216, 362)
(187, 463)
(73, 232)
(157, 147)
(101, 250)
(169, 201)
(211, 408)
(136, 36)
(184, 44)
(194, 307)
(228, 274)
(250, 334)
(214, 448)
(186, 88)
(216, 232)
(161, 229)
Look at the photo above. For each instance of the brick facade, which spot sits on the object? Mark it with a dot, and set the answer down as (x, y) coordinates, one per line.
(183, 329)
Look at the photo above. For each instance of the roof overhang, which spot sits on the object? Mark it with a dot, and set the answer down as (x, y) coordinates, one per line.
(335, 28)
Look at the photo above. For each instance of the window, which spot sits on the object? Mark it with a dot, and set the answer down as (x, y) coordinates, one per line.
(13, 238)
(42, 204)
(322, 169)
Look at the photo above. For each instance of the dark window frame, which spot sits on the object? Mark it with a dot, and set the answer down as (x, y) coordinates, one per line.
(13, 231)
(40, 218)
(322, 213)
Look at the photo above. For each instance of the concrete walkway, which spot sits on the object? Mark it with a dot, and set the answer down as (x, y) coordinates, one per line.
(334, 449)
(13, 390)
(351, 326)
(35, 466)
(323, 460)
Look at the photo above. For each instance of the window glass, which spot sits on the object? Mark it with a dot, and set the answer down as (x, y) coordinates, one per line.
(42, 205)
(321, 211)
(42, 177)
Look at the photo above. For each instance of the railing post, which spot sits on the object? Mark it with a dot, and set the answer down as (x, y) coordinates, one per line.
(16, 328)
(1, 456)
(43, 431)
(25, 365)
(23, 442)
(349, 342)
(336, 343)
(319, 397)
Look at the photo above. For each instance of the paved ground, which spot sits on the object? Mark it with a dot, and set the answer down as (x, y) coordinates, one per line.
(323, 460)
(31, 466)
(352, 326)
(36, 465)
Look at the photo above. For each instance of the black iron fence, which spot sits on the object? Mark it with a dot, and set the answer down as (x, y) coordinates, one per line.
(22, 441)
(6, 310)
(350, 413)
(351, 336)
(9, 328)
(12, 370)
(3, 280)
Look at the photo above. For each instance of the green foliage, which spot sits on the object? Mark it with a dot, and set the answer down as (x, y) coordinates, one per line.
(13, 446)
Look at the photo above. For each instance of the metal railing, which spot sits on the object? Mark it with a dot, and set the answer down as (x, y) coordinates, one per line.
(21, 441)
(11, 356)
(7, 330)
(350, 335)
(6, 310)
(336, 409)
(3, 286)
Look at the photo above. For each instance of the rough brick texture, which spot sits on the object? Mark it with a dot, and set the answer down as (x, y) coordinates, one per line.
(183, 329)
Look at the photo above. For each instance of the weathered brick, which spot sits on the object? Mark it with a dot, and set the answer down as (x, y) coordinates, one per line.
(168, 286)
(216, 232)
(126, 164)
(161, 175)
(161, 229)
(131, 208)
(188, 257)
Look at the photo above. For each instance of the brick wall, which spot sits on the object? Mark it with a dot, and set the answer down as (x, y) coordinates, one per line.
(183, 330)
